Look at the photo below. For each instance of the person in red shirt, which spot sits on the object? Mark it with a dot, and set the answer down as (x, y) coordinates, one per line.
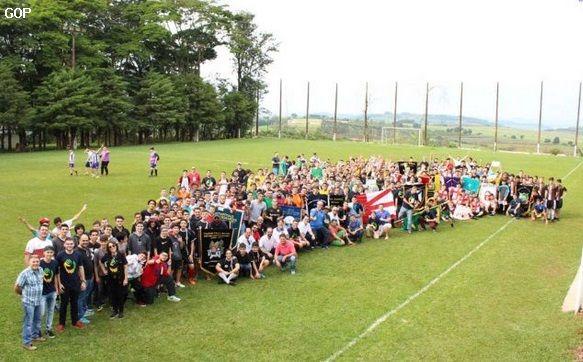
(194, 178)
(157, 272)
(285, 254)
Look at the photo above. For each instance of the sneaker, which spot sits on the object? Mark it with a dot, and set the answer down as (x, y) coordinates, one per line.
(120, 315)
(84, 320)
(79, 325)
(39, 339)
(262, 276)
(89, 313)
(232, 283)
(293, 272)
(29, 347)
(100, 308)
(50, 334)
(180, 285)
(142, 304)
(192, 281)
(173, 298)
(60, 328)
(113, 315)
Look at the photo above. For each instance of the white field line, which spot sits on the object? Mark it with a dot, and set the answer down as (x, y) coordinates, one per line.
(411, 298)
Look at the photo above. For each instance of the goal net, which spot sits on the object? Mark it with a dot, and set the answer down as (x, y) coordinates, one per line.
(401, 135)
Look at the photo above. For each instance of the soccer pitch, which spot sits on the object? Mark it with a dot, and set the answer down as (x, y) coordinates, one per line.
(501, 302)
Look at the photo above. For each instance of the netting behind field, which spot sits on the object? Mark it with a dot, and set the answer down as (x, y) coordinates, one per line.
(364, 109)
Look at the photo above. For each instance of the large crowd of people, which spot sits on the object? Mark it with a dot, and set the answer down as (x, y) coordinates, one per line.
(80, 269)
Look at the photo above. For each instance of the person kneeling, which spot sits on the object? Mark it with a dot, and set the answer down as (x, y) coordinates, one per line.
(285, 254)
(228, 268)
(539, 211)
(260, 261)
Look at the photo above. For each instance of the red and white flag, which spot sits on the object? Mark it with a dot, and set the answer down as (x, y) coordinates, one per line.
(371, 201)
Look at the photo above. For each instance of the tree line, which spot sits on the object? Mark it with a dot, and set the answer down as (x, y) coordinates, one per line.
(77, 72)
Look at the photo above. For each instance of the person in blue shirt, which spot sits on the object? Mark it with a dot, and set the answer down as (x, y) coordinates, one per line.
(29, 285)
(355, 229)
(317, 223)
(383, 218)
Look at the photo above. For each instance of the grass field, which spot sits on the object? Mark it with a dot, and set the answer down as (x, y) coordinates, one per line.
(501, 303)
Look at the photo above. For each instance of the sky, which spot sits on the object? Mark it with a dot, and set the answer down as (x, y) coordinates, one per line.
(514, 42)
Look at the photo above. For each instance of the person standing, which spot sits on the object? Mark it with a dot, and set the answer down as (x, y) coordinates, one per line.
(104, 160)
(84, 303)
(115, 267)
(49, 267)
(29, 285)
(154, 159)
(71, 154)
(72, 282)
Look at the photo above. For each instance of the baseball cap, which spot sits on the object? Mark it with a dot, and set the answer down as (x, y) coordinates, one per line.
(44, 220)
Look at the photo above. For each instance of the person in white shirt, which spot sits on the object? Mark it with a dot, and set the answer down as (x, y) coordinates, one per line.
(246, 239)
(267, 243)
(280, 229)
(58, 221)
(306, 229)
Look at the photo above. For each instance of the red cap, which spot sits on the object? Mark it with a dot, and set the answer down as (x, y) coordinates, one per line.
(44, 220)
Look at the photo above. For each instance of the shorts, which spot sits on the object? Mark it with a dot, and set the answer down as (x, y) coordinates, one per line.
(94, 165)
(551, 204)
(87, 164)
(177, 264)
(153, 165)
(71, 165)
(559, 204)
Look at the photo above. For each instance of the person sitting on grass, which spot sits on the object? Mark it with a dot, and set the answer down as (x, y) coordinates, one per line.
(295, 234)
(429, 217)
(245, 260)
(228, 269)
(515, 207)
(355, 230)
(285, 254)
(259, 261)
(338, 234)
(383, 219)
(539, 210)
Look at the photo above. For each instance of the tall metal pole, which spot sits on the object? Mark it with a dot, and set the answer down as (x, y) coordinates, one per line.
(395, 114)
(426, 113)
(335, 113)
(540, 117)
(496, 119)
(307, 109)
(366, 113)
(279, 132)
(461, 114)
(577, 128)
(257, 117)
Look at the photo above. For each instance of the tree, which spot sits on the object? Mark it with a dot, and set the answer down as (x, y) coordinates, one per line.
(251, 51)
(239, 112)
(556, 141)
(115, 105)
(14, 106)
(203, 108)
(160, 106)
(67, 103)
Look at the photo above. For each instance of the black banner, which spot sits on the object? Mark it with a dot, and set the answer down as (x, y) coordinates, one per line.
(336, 200)
(212, 247)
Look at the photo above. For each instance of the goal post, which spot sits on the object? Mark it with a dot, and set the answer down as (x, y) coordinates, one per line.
(401, 135)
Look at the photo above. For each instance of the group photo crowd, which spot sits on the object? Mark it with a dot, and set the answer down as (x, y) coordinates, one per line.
(235, 225)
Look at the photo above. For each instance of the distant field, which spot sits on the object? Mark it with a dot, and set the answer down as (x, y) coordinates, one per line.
(502, 303)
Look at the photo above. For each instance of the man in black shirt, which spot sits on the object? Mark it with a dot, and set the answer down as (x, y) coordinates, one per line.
(228, 268)
(119, 231)
(244, 259)
(259, 261)
(149, 211)
(49, 267)
(72, 282)
(84, 304)
(271, 215)
(209, 181)
(163, 243)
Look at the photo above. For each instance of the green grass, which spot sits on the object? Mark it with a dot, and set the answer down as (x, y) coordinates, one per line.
(503, 303)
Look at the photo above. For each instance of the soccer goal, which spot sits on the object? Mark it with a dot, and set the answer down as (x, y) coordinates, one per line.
(401, 135)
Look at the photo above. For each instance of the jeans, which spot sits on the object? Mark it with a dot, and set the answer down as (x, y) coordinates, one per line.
(117, 295)
(69, 296)
(48, 309)
(409, 213)
(290, 260)
(31, 323)
(85, 297)
(246, 269)
(275, 170)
